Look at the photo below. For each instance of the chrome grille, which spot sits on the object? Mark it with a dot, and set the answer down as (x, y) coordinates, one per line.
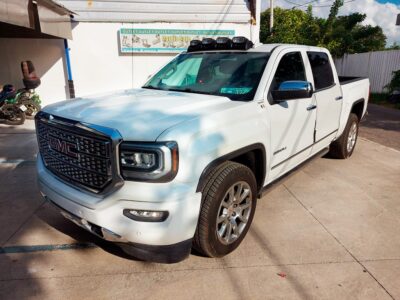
(78, 156)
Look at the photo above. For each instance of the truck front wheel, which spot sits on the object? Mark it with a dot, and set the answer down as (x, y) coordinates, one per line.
(228, 205)
(344, 146)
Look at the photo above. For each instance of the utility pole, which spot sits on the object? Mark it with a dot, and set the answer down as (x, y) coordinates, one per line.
(271, 19)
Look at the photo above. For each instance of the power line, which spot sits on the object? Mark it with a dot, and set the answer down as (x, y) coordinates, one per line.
(332, 3)
(299, 5)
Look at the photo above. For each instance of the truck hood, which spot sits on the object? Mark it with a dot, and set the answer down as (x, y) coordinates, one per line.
(139, 114)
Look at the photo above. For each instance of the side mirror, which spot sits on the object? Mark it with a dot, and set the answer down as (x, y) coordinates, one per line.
(290, 90)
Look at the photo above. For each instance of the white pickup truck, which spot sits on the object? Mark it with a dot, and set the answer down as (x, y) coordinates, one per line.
(181, 162)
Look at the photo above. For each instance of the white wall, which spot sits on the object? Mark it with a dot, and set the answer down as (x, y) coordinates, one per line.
(98, 66)
(47, 56)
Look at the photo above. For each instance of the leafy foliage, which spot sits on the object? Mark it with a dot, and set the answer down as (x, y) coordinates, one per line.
(36, 98)
(394, 46)
(340, 34)
(395, 82)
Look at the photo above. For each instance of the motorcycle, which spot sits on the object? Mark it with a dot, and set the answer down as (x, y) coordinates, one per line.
(11, 113)
(27, 95)
(29, 99)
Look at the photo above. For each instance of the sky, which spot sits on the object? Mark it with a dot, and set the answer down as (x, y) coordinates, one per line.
(379, 12)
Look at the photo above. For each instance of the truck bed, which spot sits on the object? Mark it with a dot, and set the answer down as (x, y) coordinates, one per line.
(349, 79)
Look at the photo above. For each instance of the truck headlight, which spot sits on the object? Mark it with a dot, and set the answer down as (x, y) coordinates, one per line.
(157, 162)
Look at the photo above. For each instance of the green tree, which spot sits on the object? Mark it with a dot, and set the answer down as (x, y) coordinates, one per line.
(292, 26)
(340, 34)
(395, 82)
(394, 46)
(328, 24)
(349, 36)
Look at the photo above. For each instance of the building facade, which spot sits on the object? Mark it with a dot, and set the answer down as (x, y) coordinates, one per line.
(35, 30)
(119, 44)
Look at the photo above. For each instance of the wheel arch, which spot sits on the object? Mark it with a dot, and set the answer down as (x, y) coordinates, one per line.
(252, 156)
(358, 108)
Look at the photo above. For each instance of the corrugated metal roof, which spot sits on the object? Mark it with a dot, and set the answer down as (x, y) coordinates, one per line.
(61, 9)
(202, 11)
(54, 19)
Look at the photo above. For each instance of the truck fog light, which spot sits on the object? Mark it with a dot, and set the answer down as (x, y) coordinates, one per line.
(146, 215)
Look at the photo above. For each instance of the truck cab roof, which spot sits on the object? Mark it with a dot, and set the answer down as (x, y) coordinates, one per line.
(271, 47)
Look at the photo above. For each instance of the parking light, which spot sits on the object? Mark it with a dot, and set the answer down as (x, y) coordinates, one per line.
(146, 215)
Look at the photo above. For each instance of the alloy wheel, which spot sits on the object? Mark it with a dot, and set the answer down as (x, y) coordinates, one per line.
(234, 212)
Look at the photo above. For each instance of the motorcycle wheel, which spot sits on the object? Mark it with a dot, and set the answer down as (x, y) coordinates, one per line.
(14, 116)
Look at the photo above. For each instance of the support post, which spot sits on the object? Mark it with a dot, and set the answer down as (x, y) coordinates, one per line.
(271, 19)
(71, 87)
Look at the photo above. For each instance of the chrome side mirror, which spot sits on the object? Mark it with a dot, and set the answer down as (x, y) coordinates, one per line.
(291, 90)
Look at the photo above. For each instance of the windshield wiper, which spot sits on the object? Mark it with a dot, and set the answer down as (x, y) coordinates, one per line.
(188, 90)
(152, 87)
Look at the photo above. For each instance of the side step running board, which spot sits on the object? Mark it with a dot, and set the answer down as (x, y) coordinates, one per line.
(279, 180)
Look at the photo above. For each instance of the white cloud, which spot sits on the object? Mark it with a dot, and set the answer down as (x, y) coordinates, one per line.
(377, 13)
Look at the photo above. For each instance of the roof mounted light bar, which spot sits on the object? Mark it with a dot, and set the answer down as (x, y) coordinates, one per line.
(224, 43)
(221, 43)
(195, 45)
(241, 43)
(208, 44)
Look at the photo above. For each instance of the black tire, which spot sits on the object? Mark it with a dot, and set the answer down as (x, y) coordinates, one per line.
(225, 177)
(16, 117)
(339, 148)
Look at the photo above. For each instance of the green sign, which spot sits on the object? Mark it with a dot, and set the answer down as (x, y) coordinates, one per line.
(163, 40)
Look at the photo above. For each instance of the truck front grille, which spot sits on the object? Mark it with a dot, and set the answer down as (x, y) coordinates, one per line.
(78, 156)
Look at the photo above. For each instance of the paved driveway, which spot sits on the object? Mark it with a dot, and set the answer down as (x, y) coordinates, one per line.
(331, 231)
(382, 125)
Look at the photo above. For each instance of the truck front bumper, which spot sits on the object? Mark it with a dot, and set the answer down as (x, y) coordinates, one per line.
(166, 241)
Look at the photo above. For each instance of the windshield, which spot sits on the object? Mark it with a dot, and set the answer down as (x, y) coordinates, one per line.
(232, 74)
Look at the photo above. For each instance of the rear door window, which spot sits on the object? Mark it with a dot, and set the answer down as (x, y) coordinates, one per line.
(322, 70)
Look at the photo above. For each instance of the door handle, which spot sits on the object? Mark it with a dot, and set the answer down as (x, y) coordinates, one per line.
(311, 107)
(339, 98)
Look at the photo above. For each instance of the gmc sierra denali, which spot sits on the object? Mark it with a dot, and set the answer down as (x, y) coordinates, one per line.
(181, 162)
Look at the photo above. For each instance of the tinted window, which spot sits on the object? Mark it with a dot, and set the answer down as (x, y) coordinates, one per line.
(231, 74)
(322, 70)
(290, 67)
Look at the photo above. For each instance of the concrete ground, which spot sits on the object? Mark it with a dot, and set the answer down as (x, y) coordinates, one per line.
(382, 125)
(331, 231)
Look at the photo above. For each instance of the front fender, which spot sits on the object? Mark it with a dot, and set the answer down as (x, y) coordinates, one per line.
(206, 141)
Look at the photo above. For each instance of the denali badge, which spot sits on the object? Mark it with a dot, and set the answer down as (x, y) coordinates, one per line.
(65, 147)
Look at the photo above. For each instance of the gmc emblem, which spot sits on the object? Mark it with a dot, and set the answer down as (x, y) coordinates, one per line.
(65, 147)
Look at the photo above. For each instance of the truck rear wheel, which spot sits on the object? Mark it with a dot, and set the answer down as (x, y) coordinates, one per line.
(228, 205)
(344, 146)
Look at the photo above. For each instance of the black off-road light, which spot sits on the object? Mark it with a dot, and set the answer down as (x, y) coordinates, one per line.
(223, 43)
(241, 43)
(208, 44)
(195, 45)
